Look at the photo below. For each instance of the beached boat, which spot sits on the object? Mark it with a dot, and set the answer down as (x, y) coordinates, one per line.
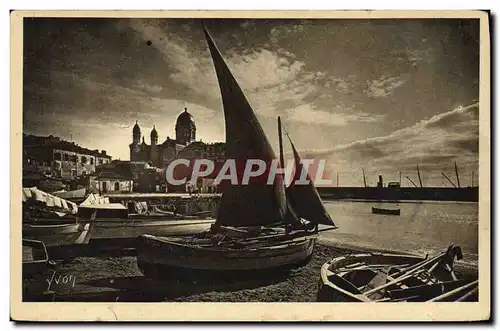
(49, 229)
(35, 257)
(392, 277)
(386, 211)
(132, 228)
(259, 226)
(59, 234)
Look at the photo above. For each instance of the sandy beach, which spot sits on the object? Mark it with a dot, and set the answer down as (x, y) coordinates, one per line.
(115, 277)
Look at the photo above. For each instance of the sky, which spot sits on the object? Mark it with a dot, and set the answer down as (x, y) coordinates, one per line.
(378, 95)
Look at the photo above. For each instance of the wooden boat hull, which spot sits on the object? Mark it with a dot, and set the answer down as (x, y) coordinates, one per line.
(50, 229)
(391, 277)
(59, 235)
(104, 229)
(383, 211)
(163, 257)
(35, 257)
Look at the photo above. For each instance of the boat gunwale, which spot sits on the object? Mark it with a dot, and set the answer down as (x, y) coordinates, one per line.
(51, 226)
(146, 237)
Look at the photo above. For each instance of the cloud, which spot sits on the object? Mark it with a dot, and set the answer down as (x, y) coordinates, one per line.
(260, 69)
(383, 86)
(89, 112)
(308, 114)
(272, 78)
(434, 144)
(419, 55)
(341, 85)
(278, 32)
(148, 88)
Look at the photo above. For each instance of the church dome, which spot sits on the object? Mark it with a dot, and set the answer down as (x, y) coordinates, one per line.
(154, 133)
(137, 129)
(185, 119)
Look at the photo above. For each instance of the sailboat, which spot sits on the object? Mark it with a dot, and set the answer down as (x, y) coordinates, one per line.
(259, 226)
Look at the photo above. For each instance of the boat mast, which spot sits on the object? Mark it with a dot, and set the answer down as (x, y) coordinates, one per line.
(419, 178)
(364, 177)
(280, 139)
(449, 180)
(400, 179)
(456, 172)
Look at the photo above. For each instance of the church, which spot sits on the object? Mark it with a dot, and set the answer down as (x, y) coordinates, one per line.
(183, 146)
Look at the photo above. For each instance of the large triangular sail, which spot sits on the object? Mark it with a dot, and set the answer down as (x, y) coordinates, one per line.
(246, 205)
(305, 199)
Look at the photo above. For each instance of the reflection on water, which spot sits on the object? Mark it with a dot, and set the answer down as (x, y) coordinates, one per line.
(423, 227)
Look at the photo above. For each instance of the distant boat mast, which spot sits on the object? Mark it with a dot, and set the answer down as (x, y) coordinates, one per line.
(458, 177)
(449, 180)
(364, 177)
(419, 178)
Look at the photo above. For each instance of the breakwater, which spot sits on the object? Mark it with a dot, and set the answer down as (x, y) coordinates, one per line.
(470, 194)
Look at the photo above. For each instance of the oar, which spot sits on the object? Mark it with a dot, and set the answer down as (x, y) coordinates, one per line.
(419, 264)
(468, 294)
(455, 291)
(395, 281)
(413, 271)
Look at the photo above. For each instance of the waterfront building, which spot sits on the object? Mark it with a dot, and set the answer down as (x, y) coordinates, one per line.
(55, 157)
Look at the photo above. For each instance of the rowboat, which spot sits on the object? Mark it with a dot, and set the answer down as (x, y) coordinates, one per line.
(386, 211)
(36, 230)
(393, 278)
(260, 226)
(35, 257)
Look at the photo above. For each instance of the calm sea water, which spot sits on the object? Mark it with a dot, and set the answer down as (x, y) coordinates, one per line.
(423, 227)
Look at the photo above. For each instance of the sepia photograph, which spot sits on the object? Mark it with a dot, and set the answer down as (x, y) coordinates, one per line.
(204, 157)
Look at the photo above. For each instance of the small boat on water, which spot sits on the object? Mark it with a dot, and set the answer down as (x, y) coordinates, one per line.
(259, 226)
(35, 257)
(386, 211)
(394, 278)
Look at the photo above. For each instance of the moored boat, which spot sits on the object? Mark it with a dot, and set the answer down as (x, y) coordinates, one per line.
(59, 234)
(35, 257)
(386, 211)
(380, 277)
(35, 230)
(201, 258)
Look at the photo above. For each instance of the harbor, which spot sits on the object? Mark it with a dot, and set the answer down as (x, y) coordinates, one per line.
(191, 221)
(106, 268)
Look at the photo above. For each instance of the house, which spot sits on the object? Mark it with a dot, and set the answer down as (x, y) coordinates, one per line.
(111, 182)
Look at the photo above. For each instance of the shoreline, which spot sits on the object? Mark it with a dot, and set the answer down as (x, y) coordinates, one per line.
(118, 279)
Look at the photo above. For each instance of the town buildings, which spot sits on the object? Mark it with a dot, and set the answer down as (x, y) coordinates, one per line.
(58, 158)
(63, 163)
(183, 146)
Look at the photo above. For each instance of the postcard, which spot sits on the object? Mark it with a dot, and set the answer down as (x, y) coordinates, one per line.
(250, 166)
